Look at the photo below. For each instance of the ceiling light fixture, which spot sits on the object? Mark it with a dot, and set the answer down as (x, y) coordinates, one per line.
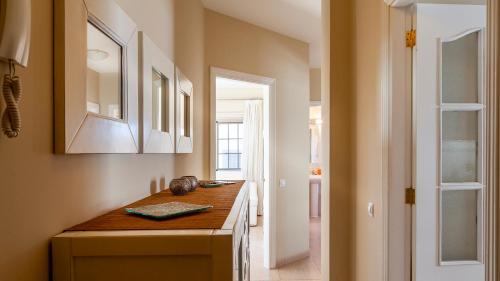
(97, 55)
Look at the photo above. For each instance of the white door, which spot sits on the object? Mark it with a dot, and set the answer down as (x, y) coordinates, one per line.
(448, 142)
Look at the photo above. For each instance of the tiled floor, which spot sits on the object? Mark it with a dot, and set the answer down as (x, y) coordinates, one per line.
(304, 270)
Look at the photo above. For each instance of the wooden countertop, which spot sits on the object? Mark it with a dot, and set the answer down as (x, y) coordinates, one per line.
(221, 198)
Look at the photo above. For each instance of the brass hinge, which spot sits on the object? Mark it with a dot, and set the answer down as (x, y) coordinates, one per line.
(411, 38)
(410, 196)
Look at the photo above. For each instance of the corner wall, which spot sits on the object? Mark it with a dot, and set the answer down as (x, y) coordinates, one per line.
(371, 27)
(236, 45)
(341, 95)
(356, 156)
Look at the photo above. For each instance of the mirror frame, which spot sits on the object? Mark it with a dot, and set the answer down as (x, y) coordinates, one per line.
(151, 57)
(76, 130)
(183, 87)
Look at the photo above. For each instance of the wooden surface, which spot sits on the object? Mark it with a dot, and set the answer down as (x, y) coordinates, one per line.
(221, 198)
(159, 250)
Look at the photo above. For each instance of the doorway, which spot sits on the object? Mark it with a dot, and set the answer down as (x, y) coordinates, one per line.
(315, 182)
(243, 121)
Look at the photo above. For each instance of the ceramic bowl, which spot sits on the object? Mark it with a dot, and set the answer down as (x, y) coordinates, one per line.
(193, 181)
(179, 186)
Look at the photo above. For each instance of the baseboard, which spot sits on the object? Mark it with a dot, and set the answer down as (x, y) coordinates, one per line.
(294, 258)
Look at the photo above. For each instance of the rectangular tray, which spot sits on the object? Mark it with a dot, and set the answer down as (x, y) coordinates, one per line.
(167, 210)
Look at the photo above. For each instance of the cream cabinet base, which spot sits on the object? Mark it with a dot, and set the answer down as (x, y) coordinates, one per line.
(154, 255)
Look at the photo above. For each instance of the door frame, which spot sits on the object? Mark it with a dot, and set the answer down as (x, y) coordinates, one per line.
(399, 228)
(399, 214)
(270, 193)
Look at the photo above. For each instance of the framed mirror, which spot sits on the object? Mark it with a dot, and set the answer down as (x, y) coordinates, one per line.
(156, 80)
(184, 113)
(96, 90)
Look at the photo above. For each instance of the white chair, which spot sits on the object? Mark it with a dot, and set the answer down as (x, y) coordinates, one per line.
(254, 202)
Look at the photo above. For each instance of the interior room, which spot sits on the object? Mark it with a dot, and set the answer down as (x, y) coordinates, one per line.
(123, 110)
(315, 122)
(240, 139)
(223, 140)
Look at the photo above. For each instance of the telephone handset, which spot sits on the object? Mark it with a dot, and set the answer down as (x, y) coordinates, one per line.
(15, 33)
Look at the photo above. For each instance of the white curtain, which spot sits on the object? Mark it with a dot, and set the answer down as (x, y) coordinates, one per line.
(252, 161)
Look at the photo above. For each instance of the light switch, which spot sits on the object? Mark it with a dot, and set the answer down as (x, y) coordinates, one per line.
(282, 183)
(371, 209)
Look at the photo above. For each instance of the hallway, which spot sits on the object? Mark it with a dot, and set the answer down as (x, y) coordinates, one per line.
(305, 270)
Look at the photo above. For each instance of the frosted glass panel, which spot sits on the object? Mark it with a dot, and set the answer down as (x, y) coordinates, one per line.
(459, 147)
(460, 69)
(459, 225)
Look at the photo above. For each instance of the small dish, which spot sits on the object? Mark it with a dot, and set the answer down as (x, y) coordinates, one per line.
(211, 184)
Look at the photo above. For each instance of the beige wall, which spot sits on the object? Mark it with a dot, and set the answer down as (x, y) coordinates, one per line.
(92, 86)
(239, 46)
(189, 57)
(109, 89)
(157, 18)
(367, 178)
(341, 92)
(356, 73)
(315, 84)
(42, 193)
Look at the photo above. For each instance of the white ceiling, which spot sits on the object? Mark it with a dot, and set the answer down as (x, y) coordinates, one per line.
(299, 19)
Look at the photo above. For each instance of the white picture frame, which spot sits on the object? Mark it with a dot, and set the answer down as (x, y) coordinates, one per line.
(184, 94)
(154, 140)
(78, 130)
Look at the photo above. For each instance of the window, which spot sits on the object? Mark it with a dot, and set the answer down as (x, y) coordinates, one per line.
(229, 145)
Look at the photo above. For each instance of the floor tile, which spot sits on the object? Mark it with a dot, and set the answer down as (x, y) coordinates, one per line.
(304, 270)
(299, 270)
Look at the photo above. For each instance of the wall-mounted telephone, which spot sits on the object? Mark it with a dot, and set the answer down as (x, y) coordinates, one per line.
(15, 33)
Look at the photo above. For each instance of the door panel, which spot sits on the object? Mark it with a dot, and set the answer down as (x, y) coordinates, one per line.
(460, 69)
(459, 148)
(459, 229)
(448, 142)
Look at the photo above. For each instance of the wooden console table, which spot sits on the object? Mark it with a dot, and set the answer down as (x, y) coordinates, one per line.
(213, 245)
